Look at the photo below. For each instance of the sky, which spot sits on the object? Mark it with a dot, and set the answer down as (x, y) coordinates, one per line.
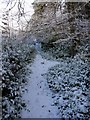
(28, 8)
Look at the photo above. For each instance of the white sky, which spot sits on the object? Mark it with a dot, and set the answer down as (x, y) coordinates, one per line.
(28, 8)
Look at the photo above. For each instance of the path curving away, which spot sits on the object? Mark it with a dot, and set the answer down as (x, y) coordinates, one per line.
(38, 97)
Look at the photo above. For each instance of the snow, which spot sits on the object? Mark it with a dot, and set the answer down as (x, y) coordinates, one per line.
(48, 89)
(38, 96)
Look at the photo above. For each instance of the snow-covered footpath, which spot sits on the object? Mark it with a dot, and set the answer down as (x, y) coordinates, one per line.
(38, 97)
(56, 89)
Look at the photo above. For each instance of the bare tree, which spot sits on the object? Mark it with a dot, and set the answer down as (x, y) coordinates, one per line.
(5, 25)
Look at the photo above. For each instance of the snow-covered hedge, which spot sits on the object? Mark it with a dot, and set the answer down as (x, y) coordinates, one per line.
(16, 55)
(70, 83)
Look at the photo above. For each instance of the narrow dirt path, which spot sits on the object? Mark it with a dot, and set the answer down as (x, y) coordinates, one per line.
(38, 97)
